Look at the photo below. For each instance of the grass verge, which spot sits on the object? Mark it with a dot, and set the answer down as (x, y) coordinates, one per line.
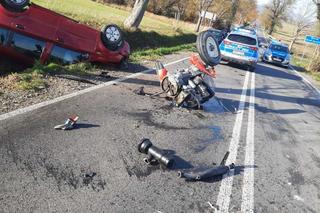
(153, 54)
(303, 64)
(34, 78)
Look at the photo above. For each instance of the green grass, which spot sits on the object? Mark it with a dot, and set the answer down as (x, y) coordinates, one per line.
(316, 75)
(299, 62)
(30, 81)
(33, 78)
(304, 64)
(153, 54)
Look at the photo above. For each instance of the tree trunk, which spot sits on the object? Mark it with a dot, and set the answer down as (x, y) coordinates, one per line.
(294, 39)
(134, 20)
(272, 26)
(199, 22)
(292, 43)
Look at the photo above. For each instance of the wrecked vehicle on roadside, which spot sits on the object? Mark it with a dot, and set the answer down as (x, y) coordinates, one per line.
(29, 32)
(193, 86)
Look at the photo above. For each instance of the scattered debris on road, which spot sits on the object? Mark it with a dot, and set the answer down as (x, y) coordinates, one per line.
(193, 86)
(155, 155)
(189, 87)
(139, 91)
(69, 124)
(199, 174)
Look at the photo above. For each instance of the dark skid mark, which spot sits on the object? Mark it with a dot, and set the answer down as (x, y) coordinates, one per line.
(296, 177)
(63, 175)
(66, 176)
(216, 137)
(138, 170)
(146, 117)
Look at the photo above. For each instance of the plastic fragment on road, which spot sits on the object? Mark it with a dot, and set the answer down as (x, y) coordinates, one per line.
(198, 174)
(69, 124)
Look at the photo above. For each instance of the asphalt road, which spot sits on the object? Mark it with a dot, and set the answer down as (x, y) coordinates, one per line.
(273, 137)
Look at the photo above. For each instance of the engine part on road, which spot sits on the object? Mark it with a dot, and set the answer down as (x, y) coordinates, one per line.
(155, 154)
(69, 124)
(199, 174)
(193, 86)
(189, 87)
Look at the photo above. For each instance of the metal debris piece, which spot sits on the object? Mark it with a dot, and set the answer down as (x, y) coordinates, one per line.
(69, 124)
(155, 154)
(199, 174)
(189, 87)
(139, 91)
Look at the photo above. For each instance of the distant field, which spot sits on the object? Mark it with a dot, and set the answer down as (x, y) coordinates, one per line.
(285, 34)
(98, 15)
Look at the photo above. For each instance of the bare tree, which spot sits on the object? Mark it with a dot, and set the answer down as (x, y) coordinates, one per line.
(203, 5)
(303, 19)
(277, 10)
(317, 2)
(135, 18)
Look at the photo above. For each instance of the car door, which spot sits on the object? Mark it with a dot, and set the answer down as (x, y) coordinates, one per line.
(36, 22)
(77, 36)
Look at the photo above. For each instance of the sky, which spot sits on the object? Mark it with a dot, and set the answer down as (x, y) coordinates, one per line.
(262, 2)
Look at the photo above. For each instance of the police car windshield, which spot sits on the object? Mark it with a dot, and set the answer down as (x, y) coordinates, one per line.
(242, 39)
(279, 48)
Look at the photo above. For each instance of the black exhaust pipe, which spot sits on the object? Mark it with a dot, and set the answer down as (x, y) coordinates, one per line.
(206, 173)
(154, 153)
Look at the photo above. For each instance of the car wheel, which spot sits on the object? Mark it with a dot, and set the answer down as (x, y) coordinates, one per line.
(208, 48)
(112, 37)
(16, 5)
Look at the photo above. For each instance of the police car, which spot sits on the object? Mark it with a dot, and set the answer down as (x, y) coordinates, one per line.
(277, 53)
(241, 47)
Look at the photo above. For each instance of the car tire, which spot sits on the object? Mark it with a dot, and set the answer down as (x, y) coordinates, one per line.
(208, 48)
(15, 6)
(112, 37)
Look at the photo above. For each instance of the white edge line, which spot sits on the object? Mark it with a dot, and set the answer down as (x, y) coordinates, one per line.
(223, 200)
(247, 204)
(81, 92)
(306, 80)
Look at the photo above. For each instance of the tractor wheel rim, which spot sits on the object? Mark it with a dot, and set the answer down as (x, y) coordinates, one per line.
(212, 47)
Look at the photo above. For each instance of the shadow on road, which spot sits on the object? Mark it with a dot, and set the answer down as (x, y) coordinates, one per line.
(85, 126)
(276, 73)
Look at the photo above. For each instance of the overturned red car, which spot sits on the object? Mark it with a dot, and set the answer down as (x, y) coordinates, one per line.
(29, 32)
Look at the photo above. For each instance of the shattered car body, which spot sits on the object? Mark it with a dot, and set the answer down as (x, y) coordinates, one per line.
(27, 36)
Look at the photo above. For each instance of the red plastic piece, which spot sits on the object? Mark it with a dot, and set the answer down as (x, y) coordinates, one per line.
(202, 67)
